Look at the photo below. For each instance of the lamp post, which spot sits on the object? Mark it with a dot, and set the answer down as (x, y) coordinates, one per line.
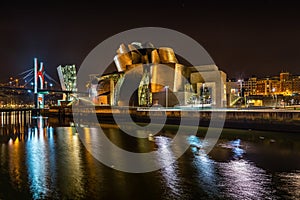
(203, 88)
(167, 100)
(274, 92)
(241, 86)
(241, 91)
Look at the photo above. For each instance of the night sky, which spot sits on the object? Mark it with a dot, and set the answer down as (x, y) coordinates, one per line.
(243, 37)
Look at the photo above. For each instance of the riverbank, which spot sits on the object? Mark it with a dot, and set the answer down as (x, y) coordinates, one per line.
(255, 119)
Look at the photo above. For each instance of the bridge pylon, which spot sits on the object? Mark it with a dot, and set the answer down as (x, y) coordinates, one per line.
(39, 81)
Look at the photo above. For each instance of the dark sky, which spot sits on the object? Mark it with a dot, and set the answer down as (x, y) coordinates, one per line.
(243, 37)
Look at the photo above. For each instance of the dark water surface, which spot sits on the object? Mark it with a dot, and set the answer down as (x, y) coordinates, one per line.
(52, 163)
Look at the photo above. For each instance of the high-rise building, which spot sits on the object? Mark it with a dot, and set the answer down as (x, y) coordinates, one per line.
(67, 78)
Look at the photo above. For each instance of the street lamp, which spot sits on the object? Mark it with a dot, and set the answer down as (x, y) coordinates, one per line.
(274, 90)
(241, 86)
(51, 86)
(166, 88)
(241, 91)
(203, 88)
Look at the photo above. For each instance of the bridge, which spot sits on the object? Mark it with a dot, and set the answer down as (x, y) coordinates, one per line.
(34, 81)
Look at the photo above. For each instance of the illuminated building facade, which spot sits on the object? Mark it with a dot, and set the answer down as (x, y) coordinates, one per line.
(159, 79)
(67, 78)
(250, 86)
(256, 91)
(296, 84)
(286, 83)
(268, 86)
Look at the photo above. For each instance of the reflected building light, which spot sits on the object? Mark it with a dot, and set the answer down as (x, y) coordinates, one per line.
(2, 118)
(40, 124)
(293, 180)
(15, 164)
(87, 137)
(50, 132)
(52, 152)
(243, 179)
(72, 162)
(207, 176)
(194, 142)
(37, 165)
(238, 152)
(170, 173)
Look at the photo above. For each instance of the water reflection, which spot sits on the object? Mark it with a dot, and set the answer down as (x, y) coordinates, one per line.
(207, 176)
(40, 160)
(170, 173)
(236, 178)
(206, 172)
(236, 149)
(290, 184)
(71, 166)
(15, 164)
(242, 179)
(15, 118)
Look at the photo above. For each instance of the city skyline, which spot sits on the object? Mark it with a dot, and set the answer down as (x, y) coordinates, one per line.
(159, 99)
(244, 39)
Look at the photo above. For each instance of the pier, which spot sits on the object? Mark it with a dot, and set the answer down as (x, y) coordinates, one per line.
(250, 119)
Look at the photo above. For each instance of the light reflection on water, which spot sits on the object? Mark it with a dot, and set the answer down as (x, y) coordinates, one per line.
(52, 163)
(242, 179)
(170, 173)
(37, 163)
(290, 184)
(69, 162)
(239, 178)
(206, 175)
(15, 164)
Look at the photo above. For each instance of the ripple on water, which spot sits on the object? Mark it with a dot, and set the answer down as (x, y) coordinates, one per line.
(241, 179)
(289, 185)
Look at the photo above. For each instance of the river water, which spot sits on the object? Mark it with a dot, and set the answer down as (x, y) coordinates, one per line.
(49, 161)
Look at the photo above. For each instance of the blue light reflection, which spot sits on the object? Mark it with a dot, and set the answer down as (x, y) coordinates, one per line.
(41, 161)
(238, 152)
(205, 167)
